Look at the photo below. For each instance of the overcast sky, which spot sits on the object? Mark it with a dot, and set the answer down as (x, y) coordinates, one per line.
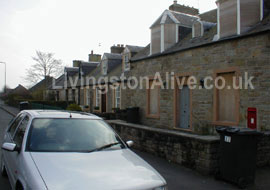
(72, 28)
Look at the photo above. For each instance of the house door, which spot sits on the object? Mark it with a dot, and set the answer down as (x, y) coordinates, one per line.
(103, 102)
(184, 107)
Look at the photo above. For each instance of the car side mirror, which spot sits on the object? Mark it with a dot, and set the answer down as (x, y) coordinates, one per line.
(130, 143)
(10, 147)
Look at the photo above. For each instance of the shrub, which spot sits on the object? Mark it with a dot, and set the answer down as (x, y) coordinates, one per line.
(74, 107)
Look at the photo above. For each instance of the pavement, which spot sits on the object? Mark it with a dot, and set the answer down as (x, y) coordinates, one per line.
(177, 176)
(5, 118)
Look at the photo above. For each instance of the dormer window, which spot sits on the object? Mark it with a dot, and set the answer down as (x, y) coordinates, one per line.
(104, 67)
(169, 28)
(237, 17)
(125, 59)
(199, 27)
(126, 62)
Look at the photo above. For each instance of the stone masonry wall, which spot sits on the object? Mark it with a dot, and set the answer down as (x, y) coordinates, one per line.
(193, 151)
(197, 152)
(249, 54)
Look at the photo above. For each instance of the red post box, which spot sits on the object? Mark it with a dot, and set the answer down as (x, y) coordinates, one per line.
(252, 118)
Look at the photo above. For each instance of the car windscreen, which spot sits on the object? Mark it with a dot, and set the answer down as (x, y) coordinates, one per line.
(71, 135)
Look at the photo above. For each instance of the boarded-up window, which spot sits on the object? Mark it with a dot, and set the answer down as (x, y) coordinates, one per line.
(169, 35)
(227, 99)
(153, 99)
(250, 13)
(197, 29)
(228, 18)
(155, 39)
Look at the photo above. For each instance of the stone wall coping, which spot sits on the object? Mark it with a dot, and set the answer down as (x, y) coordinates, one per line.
(205, 138)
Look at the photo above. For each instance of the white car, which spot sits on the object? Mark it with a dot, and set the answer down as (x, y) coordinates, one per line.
(59, 150)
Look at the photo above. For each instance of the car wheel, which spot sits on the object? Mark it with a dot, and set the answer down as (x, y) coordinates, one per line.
(3, 168)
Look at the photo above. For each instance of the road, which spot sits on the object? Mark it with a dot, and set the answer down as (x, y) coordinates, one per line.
(177, 177)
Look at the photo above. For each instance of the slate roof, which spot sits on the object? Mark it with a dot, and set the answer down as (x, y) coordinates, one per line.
(41, 84)
(169, 16)
(86, 69)
(60, 81)
(209, 16)
(134, 49)
(71, 71)
(20, 90)
(206, 39)
(113, 56)
(114, 69)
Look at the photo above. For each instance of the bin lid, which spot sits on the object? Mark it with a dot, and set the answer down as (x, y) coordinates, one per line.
(237, 131)
(26, 102)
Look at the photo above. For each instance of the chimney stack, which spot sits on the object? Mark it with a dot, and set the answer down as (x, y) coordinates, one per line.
(117, 49)
(183, 9)
(94, 57)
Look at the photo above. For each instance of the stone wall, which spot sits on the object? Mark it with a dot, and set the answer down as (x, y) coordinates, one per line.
(263, 155)
(193, 151)
(197, 152)
(250, 54)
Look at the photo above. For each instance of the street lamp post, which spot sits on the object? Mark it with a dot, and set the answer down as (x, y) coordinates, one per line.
(5, 75)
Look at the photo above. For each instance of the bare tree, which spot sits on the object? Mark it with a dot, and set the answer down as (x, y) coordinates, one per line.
(45, 65)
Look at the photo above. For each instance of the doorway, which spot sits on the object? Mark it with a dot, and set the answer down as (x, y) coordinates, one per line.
(184, 107)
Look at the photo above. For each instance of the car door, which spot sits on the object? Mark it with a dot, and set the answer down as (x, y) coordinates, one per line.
(15, 157)
(9, 138)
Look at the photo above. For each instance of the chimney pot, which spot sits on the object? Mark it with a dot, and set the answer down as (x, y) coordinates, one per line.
(175, 2)
(92, 52)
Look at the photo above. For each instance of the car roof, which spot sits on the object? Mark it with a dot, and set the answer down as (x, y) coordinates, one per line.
(60, 114)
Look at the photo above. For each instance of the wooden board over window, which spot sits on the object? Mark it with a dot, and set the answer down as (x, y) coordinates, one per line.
(153, 100)
(226, 100)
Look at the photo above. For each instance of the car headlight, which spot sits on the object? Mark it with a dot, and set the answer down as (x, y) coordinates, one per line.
(161, 188)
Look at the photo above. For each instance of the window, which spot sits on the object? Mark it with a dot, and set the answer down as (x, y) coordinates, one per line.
(126, 62)
(71, 135)
(87, 96)
(117, 96)
(226, 100)
(57, 96)
(153, 105)
(14, 125)
(73, 95)
(97, 97)
(18, 138)
(67, 99)
(104, 67)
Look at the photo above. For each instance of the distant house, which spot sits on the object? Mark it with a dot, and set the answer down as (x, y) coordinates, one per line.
(75, 77)
(39, 90)
(19, 91)
(56, 89)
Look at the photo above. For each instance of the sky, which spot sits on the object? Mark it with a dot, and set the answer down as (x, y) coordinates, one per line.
(72, 28)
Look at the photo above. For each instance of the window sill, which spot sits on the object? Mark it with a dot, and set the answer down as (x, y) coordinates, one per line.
(153, 116)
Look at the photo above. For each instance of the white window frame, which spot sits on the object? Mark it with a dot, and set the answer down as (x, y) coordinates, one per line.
(97, 98)
(104, 67)
(117, 96)
(126, 62)
(87, 96)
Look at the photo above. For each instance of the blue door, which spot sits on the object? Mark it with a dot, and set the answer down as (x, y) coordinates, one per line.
(184, 107)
